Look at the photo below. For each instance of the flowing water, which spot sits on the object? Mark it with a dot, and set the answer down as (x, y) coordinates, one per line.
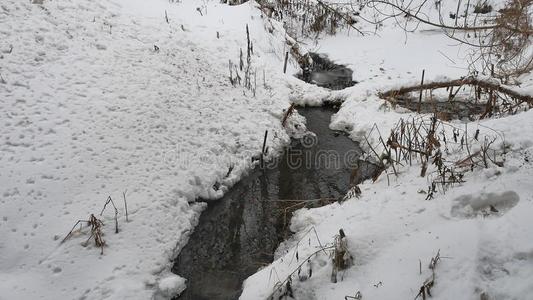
(325, 73)
(239, 233)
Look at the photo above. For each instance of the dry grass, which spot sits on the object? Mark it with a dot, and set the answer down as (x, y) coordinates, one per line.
(95, 226)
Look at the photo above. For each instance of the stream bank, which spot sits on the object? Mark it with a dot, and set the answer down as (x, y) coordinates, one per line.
(239, 233)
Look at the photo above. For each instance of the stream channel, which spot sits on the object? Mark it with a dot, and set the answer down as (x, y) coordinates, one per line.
(239, 233)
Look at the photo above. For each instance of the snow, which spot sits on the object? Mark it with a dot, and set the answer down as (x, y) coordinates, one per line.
(104, 97)
(90, 109)
(171, 285)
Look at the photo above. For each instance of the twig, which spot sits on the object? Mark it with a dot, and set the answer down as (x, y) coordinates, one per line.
(263, 149)
(125, 204)
(420, 97)
(109, 200)
(285, 63)
(287, 114)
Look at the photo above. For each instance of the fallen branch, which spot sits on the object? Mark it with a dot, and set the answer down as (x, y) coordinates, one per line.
(459, 82)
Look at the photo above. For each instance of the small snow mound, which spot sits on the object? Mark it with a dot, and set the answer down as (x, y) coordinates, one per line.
(469, 206)
(296, 126)
(171, 286)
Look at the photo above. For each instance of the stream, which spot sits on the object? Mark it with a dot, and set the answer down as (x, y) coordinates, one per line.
(239, 233)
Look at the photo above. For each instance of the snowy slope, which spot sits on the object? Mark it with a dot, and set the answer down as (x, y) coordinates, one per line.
(391, 231)
(90, 108)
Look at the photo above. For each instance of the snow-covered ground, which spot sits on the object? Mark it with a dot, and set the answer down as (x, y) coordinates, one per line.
(99, 97)
(89, 109)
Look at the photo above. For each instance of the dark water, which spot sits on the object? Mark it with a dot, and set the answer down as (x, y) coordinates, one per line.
(323, 72)
(240, 232)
